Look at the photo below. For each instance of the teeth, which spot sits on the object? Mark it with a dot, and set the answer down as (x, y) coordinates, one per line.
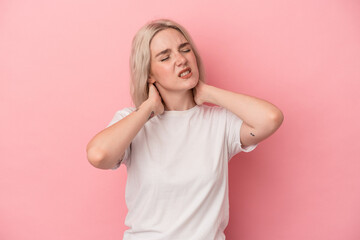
(184, 73)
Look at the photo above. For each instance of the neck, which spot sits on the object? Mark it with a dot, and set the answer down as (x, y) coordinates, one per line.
(179, 101)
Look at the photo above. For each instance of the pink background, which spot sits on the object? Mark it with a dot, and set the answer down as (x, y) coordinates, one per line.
(64, 73)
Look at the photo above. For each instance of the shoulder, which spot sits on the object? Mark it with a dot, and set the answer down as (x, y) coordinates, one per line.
(119, 114)
(215, 112)
(212, 109)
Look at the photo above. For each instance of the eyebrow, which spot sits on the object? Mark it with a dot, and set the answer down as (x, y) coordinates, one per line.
(168, 50)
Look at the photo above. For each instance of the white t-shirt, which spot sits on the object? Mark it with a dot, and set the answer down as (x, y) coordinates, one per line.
(177, 174)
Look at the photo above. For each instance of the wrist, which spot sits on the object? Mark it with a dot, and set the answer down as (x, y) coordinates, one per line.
(209, 96)
(147, 106)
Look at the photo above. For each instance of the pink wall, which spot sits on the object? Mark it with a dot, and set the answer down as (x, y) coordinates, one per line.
(64, 73)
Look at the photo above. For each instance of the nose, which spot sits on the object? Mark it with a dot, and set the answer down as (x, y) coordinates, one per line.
(180, 59)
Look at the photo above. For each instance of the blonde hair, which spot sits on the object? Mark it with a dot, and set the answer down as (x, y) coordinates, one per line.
(140, 57)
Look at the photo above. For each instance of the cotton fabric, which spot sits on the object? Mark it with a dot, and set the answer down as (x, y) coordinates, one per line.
(177, 174)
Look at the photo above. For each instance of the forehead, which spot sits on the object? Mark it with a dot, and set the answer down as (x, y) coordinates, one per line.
(167, 38)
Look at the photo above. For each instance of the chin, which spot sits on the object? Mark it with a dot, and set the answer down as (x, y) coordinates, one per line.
(191, 84)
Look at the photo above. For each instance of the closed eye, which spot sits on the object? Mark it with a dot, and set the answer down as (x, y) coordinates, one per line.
(164, 59)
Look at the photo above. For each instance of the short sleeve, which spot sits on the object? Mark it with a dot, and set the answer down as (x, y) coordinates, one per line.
(233, 127)
(117, 117)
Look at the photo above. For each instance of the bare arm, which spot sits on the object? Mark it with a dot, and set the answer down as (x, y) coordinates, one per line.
(261, 118)
(108, 147)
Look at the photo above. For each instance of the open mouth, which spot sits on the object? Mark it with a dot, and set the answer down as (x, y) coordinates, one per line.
(186, 73)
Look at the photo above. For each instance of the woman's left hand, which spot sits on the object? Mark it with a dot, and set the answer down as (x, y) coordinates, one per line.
(200, 92)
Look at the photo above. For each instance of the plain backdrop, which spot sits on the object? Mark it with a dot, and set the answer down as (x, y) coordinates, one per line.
(64, 73)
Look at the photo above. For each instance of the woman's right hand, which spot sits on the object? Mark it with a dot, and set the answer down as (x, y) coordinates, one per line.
(155, 99)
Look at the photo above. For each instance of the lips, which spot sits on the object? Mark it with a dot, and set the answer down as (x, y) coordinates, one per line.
(184, 70)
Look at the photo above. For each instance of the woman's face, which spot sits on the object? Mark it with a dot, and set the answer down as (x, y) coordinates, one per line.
(170, 55)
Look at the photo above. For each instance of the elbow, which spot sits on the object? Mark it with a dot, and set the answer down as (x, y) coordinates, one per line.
(96, 157)
(276, 119)
(279, 117)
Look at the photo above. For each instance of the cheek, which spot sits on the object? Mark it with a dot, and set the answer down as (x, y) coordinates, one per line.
(165, 71)
(195, 63)
(194, 60)
(158, 70)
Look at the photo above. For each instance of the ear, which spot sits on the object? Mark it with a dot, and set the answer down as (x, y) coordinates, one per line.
(151, 80)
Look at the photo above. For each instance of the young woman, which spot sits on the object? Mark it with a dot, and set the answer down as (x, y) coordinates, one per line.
(175, 148)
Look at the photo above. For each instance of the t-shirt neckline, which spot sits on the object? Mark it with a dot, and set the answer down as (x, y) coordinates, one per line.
(180, 113)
